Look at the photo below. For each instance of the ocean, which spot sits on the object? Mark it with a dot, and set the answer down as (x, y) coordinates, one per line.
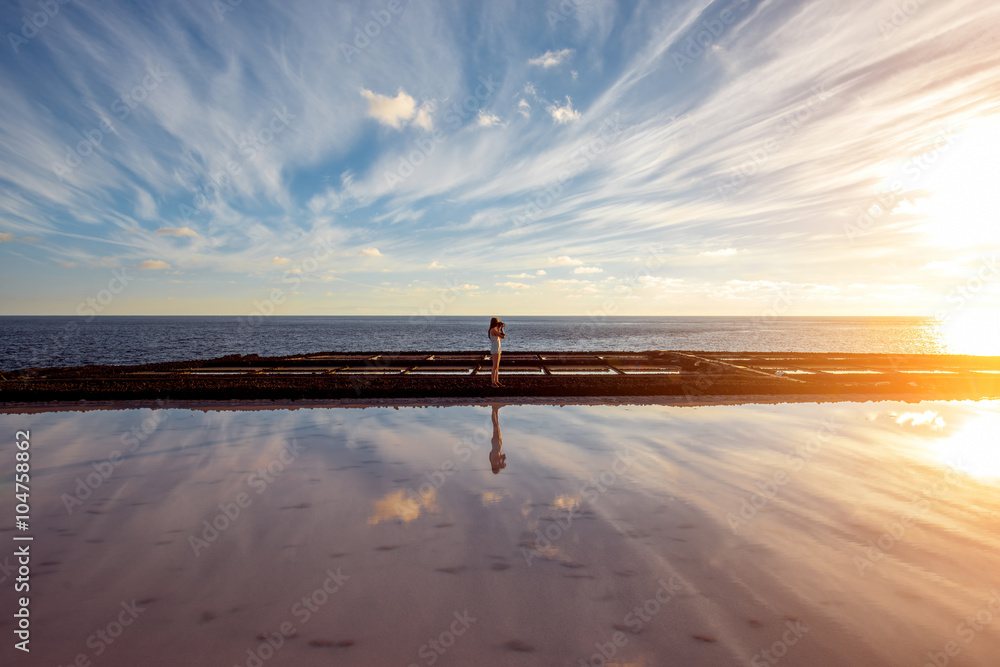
(73, 341)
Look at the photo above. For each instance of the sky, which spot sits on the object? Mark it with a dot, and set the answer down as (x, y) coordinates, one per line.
(395, 157)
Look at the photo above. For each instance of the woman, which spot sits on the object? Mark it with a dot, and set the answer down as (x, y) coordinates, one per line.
(496, 334)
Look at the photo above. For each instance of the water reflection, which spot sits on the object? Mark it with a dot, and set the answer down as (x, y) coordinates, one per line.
(846, 517)
(498, 460)
(973, 447)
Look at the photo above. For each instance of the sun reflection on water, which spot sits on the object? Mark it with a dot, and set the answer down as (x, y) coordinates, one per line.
(973, 448)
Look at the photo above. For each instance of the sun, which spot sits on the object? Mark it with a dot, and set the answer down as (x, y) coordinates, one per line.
(975, 331)
(963, 207)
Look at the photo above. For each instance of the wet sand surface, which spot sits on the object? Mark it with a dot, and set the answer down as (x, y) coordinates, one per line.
(800, 534)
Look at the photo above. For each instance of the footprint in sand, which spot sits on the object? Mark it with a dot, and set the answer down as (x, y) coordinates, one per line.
(323, 643)
(627, 628)
(300, 506)
(518, 645)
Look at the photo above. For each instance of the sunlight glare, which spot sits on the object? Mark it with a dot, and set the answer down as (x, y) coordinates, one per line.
(972, 332)
(975, 448)
(964, 207)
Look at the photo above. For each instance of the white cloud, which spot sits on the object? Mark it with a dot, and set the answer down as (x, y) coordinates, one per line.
(176, 231)
(487, 119)
(435, 265)
(569, 282)
(563, 260)
(562, 115)
(588, 269)
(724, 252)
(391, 111)
(541, 272)
(423, 118)
(520, 275)
(280, 260)
(514, 285)
(145, 206)
(154, 264)
(371, 252)
(551, 58)
(524, 108)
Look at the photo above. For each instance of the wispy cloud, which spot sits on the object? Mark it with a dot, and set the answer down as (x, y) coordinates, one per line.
(564, 260)
(552, 58)
(154, 264)
(176, 231)
(784, 154)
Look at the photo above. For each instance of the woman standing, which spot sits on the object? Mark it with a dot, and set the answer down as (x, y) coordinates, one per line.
(496, 334)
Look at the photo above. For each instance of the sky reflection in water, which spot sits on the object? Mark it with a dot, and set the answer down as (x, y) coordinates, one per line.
(699, 533)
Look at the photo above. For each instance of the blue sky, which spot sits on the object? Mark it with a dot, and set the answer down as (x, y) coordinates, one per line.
(660, 158)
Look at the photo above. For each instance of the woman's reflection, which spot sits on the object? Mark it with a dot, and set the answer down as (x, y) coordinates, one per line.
(498, 461)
